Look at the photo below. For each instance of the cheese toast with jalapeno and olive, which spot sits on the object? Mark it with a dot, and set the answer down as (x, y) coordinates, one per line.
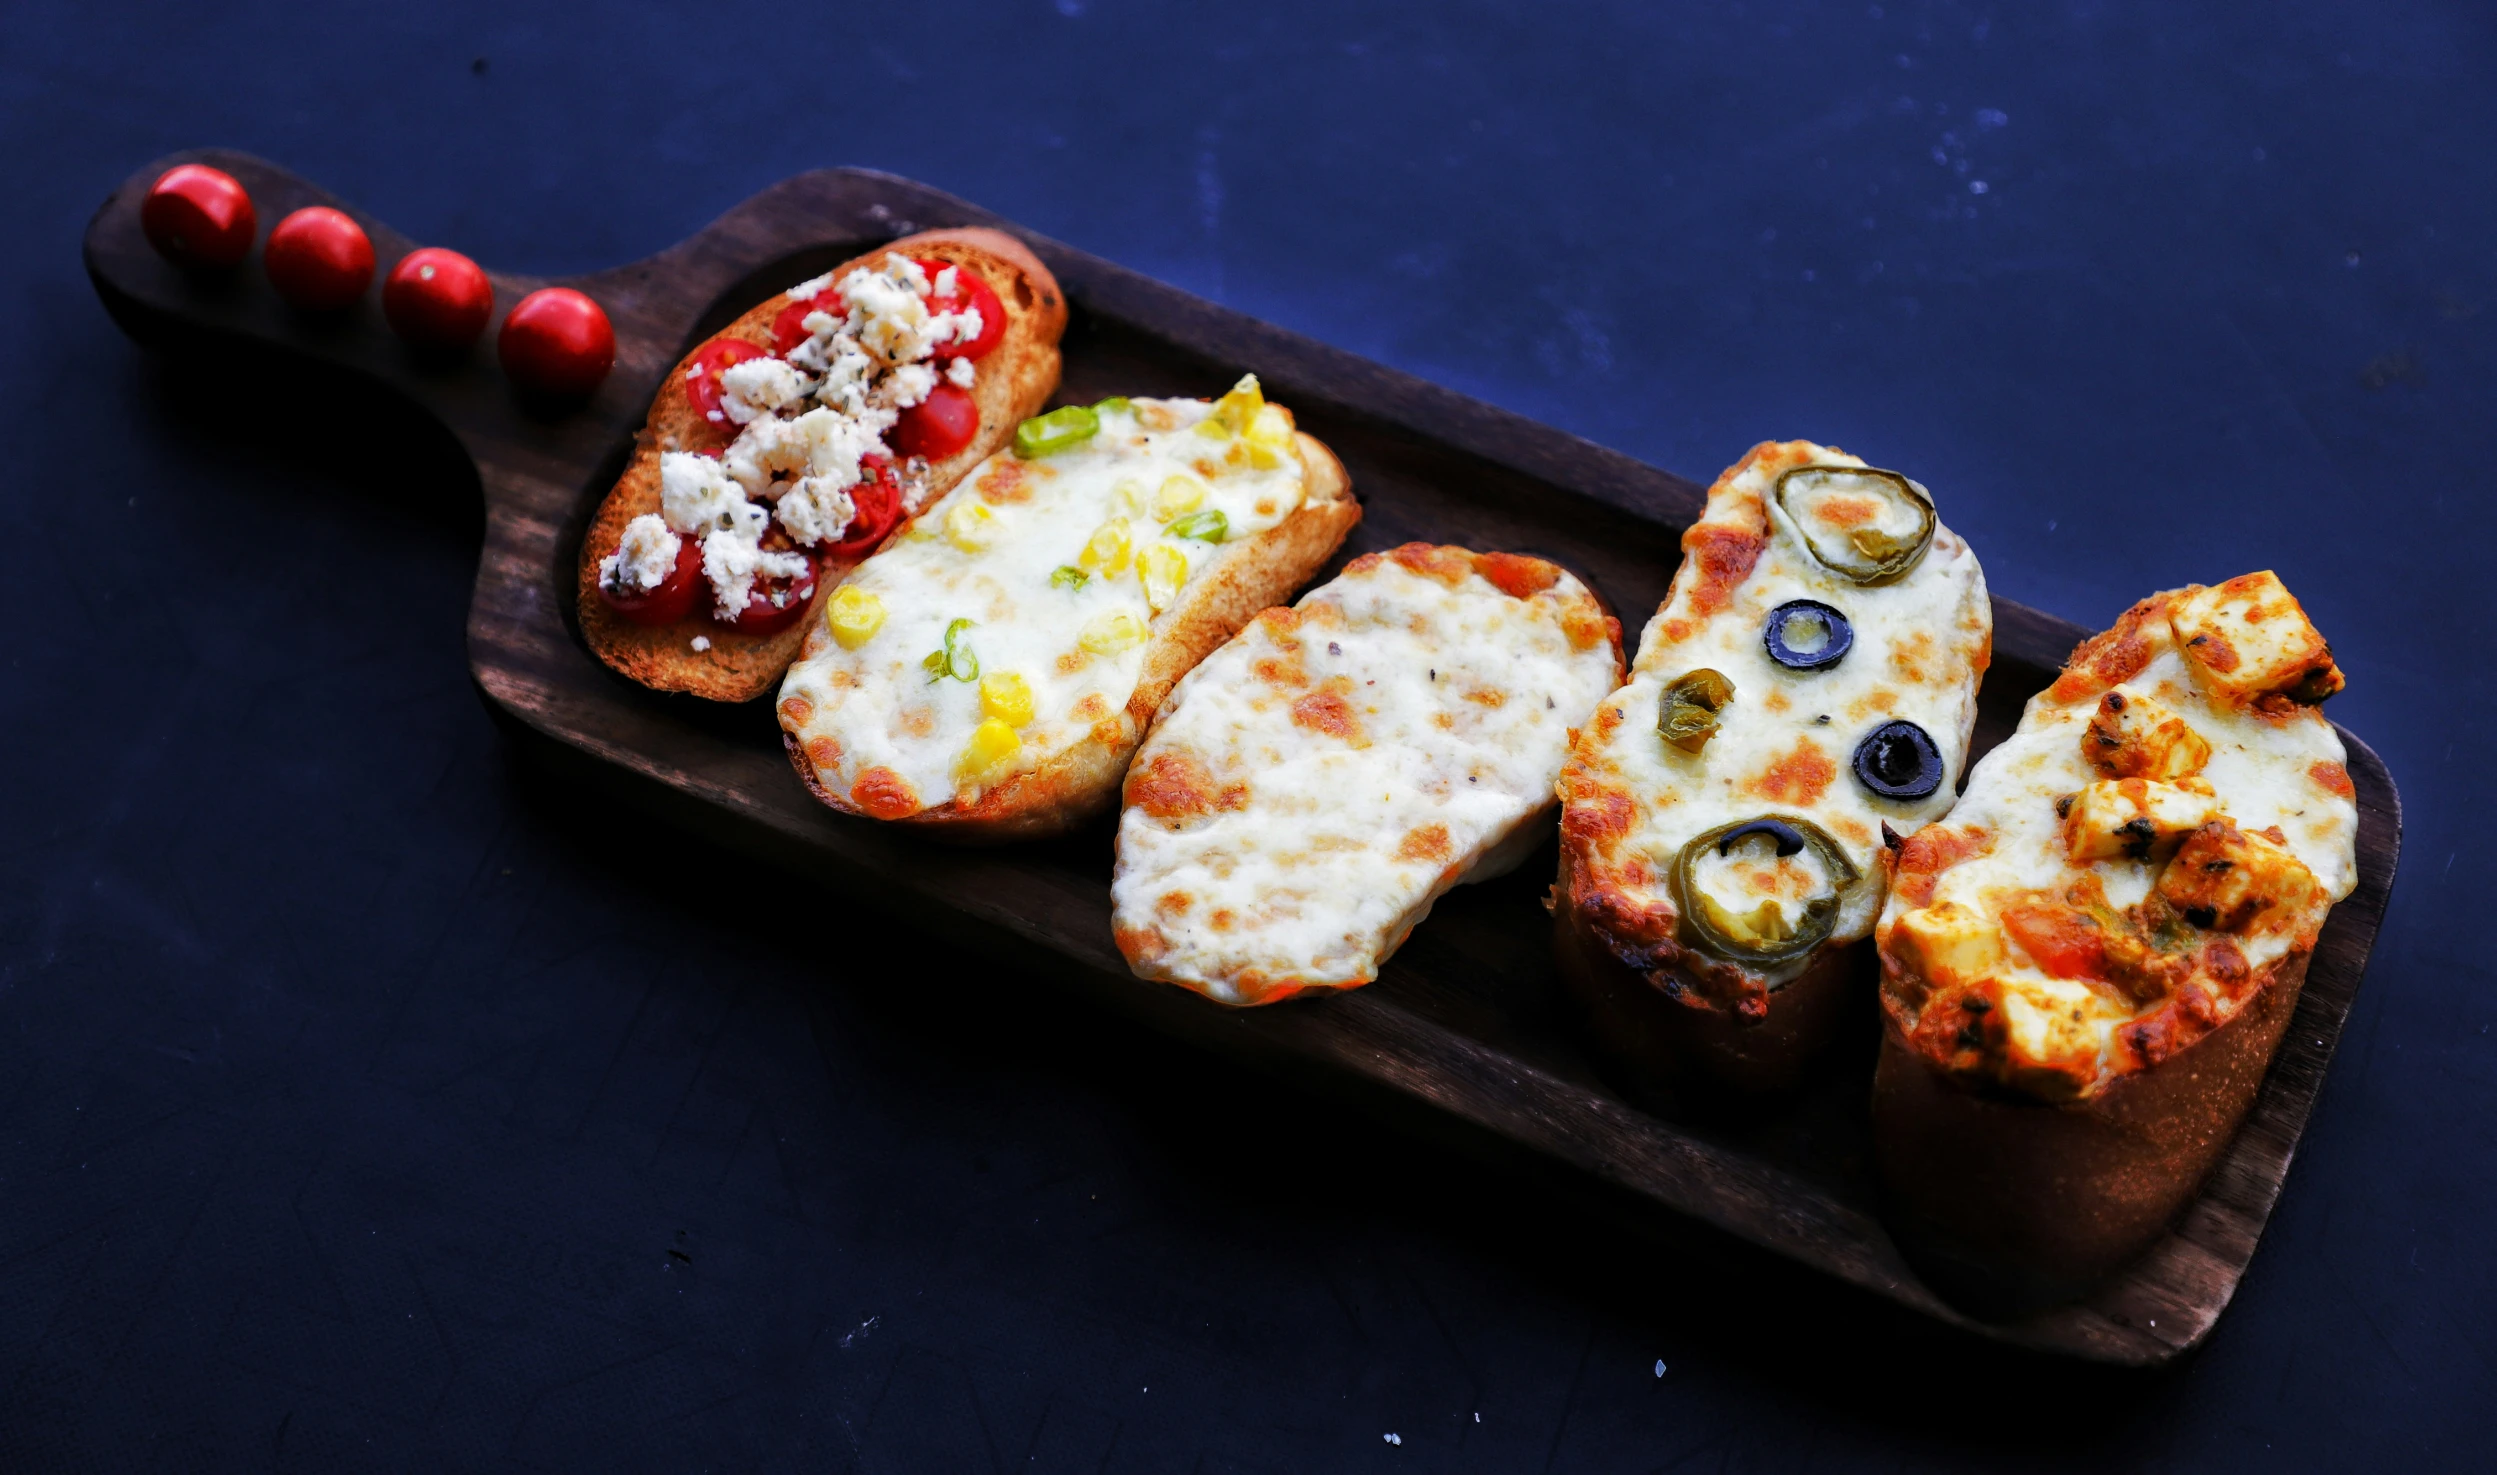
(785, 449)
(1312, 788)
(1806, 690)
(2087, 966)
(990, 672)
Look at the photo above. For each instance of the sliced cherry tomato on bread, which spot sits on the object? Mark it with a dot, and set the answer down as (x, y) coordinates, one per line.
(776, 604)
(672, 601)
(877, 500)
(789, 329)
(969, 292)
(702, 380)
(937, 426)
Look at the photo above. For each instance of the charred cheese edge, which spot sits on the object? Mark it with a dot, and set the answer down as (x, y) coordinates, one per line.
(1313, 786)
(1009, 623)
(2167, 828)
(1784, 744)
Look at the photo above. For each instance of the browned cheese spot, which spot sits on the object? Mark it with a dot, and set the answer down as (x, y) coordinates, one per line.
(1428, 843)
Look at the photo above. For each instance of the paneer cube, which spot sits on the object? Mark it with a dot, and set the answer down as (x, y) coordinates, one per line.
(2131, 819)
(2052, 1036)
(2250, 638)
(1947, 944)
(2230, 881)
(2131, 736)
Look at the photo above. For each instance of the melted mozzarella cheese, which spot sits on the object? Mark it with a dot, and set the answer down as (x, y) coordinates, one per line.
(1060, 565)
(1338, 768)
(1785, 744)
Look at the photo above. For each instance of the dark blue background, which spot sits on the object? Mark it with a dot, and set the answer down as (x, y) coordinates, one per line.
(368, 1102)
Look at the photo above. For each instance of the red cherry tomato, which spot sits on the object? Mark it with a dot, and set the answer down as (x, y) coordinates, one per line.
(702, 379)
(969, 291)
(878, 502)
(199, 216)
(776, 604)
(789, 329)
(318, 259)
(437, 298)
(557, 341)
(672, 601)
(937, 426)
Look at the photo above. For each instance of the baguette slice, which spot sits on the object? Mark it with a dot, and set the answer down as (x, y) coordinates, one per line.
(2087, 967)
(1318, 783)
(1014, 380)
(1674, 1014)
(1020, 569)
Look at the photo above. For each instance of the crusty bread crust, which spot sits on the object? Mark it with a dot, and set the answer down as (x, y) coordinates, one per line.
(2006, 1204)
(1673, 1048)
(1083, 781)
(1015, 380)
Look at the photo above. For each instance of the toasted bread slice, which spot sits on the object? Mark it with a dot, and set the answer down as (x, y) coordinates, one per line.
(1810, 679)
(988, 675)
(1013, 381)
(1320, 781)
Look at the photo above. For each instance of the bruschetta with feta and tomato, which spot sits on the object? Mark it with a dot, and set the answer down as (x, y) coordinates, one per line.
(1311, 789)
(1807, 689)
(988, 675)
(2087, 967)
(787, 448)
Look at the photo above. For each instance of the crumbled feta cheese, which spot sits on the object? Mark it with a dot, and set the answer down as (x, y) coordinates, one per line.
(644, 557)
(955, 327)
(816, 511)
(732, 558)
(961, 374)
(908, 385)
(945, 282)
(889, 309)
(702, 643)
(694, 491)
(811, 287)
(757, 387)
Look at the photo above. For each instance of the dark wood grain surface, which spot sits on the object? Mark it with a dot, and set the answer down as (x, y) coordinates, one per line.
(1460, 1030)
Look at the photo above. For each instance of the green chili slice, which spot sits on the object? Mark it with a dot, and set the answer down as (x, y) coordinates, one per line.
(1117, 404)
(1068, 576)
(1771, 932)
(956, 659)
(1209, 526)
(1687, 717)
(1852, 547)
(1044, 435)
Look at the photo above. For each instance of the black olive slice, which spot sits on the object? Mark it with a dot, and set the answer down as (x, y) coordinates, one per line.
(1807, 635)
(1898, 760)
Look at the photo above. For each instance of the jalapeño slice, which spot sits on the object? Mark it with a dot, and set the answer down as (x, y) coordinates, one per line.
(1775, 931)
(1864, 525)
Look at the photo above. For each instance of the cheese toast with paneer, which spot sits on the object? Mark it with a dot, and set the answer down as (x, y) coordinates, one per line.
(1315, 785)
(988, 675)
(783, 450)
(1806, 690)
(2087, 966)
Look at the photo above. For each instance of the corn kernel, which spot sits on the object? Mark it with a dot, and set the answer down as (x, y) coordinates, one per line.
(1127, 496)
(1107, 635)
(1269, 438)
(990, 752)
(1006, 696)
(1162, 569)
(1178, 494)
(1236, 411)
(853, 615)
(970, 527)
(1107, 551)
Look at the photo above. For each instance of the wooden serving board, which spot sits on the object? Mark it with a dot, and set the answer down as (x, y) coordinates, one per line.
(1462, 1024)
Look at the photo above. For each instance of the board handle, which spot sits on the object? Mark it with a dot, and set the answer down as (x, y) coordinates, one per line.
(656, 304)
